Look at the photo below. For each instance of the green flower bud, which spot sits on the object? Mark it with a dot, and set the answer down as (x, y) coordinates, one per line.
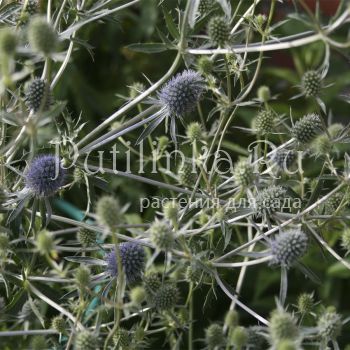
(287, 345)
(219, 31)
(232, 318)
(329, 325)
(44, 242)
(78, 175)
(86, 237)
(283, 326)
(205, 65)
(82, 277)
(204, 6)
(108, 212)
(243, 173)
(122, 338)
(4, 243)
(171, 210)
(85, 340)
(136, 89)
(305, 303)
(264, 93)
(214, 336)
(162, 235)
(59, 324)
(163, 142)
(187, 174)
(8, 42)
(38, 343)
(239, 337)
(264, 122)
(193, 273)
(307, 128)
(152, 283)
(311, 83)
(42, 36)
(165, 297)
(194, 132)
(137, 295)
(345, 239)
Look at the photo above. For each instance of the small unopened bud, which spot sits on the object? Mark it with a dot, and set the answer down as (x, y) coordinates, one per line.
(264, 93)
(44, 242)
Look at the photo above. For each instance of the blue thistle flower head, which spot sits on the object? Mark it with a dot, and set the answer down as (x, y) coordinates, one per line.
(180, 94)
(288, 247)
(45, 175)
(132, 257)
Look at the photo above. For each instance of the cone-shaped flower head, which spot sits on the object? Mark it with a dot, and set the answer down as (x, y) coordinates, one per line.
(307, 128)
(181, 94)
(85, 340)
(288, 247)
(219, 31)
(132, 257)
(214, 336)
(269, 200)
(311, 83)
(45, 175)
(329, 324)
(42, 36)
(38, 95)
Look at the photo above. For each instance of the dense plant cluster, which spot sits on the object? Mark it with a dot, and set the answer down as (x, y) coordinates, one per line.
(208, 210)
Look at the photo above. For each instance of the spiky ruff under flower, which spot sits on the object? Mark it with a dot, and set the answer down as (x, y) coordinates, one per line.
(45, 175)
(132, 256)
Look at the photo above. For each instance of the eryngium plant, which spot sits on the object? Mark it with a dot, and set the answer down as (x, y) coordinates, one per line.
(174, 174)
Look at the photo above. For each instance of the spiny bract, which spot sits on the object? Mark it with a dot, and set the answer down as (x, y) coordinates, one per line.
(45, 175)
(311, 83)
(180, 95)
(288, 247)
(132, 256)
(307, 128)
(38, 95)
